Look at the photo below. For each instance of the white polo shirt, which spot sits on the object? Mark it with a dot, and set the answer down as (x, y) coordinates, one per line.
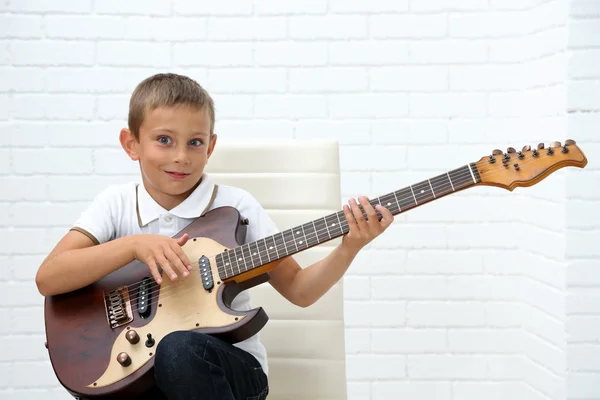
(123, 210)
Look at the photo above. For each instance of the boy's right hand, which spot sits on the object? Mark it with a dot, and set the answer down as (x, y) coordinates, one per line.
(155, 250)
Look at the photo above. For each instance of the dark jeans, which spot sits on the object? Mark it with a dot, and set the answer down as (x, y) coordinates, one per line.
(194, 366)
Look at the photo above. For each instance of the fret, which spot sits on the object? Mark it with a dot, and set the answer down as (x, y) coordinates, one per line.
(442, 185)
(389, 202)
(460, 177)
(475, 172)
(265, 250)
(406, 199)
(413, 193)
(229, 263)
(321, 229)
(397, 202)
(423, 192)
(311, 234)
(272, 247)
(247, 256)
(333, 225)
(256, 258)
(343, 222)
(449, 179)
(288, 241)
(278, 245)
(431, 186)
(303, 242)
(219, 261)
(239, 258)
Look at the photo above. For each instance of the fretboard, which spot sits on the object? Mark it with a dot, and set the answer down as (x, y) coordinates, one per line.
(272, 248)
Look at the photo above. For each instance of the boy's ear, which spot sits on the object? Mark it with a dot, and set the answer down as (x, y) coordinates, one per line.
(129, 144)
(211, 145)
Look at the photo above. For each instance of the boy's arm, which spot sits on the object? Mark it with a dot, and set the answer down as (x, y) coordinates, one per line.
(304, 287)
(76, 262)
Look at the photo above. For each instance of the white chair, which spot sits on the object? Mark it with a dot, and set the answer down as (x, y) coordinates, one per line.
(296, 182)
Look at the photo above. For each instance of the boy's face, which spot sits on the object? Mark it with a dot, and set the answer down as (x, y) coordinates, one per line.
(173, 147)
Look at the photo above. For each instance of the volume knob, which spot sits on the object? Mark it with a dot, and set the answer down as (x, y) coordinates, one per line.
(132, 337)
(124, 359)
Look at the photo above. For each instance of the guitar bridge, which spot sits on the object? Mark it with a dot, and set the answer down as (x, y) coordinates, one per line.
(118, 307)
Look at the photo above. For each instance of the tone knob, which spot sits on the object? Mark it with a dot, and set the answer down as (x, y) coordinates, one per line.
(124, 359)
(132, 337)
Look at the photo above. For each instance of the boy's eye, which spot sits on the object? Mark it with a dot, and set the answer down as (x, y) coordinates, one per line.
(164, 140)
(196, 142)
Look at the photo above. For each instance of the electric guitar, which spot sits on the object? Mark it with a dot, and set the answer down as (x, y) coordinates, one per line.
(101, 339)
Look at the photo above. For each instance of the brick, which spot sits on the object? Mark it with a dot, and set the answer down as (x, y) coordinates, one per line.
(408, 287)
(258, 28)
(82, 188)
(211, 54)
(55, 107)
(320, 80)
(366, 52)
(543, 325)
(378, 262)
(358, 390)
(84, 27)
(418, 79)
(446, 367)
(43, 372)
(582, 328)
(51, 52)
(265, 80)
(112, 107)
(583, 273)
(409, 131)
(485, 341)
(584, 33)
(5, 161)
(134, 54)
(113, 162)
(24, 268)
(357, 288)
(143, 7)
(440, 314)
(291, 54)
(584, 8)
(409, 341)
(361, 314)
(36, 214)
(448, 104)
(583, 243)
(451, 51)
(208, 7)
(486, 78)
(483, 287)
(18, 188)
(266, 129)
(584, 357)
(290, 106)
(509, 367)
(408, 26)
(412, 390)
(21, 26)
(358, 341)
(544, 353)
(582, 125)
(81, 134)
(4, 54)
(380, 105)
(491, 391)
(41, 6)
(583, 95)
(52, 161)
(447, 262)
(344, 131)
(372, 158)
(172, 29)
(375, 366)
(442, 5)
(583, 301)
(330, 27)
(582, 385)
(22, 79)
(24, 348)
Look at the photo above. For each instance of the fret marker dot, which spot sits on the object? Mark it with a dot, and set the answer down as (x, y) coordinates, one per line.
(422, 191)
(333, 224)
(226, 263)
(239, 259)
(271, 248)
(297, 233)
(300, 242)
(253, 254)
(389, 204)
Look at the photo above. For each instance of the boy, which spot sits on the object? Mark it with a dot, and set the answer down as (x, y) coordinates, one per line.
(171, 134)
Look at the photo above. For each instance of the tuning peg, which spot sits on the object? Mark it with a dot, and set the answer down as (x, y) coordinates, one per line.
(540, 146)
(497, 152)
(511, 150)
(569, 142)
(526, 148)
(555, 144)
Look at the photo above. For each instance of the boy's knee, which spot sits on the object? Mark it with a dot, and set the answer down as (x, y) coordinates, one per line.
(178, 347)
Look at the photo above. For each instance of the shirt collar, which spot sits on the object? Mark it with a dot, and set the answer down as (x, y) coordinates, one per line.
(192, 207)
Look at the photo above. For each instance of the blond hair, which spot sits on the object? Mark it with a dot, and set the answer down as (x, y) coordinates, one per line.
(167, 90)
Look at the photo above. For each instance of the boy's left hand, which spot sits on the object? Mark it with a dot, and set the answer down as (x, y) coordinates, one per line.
(364, 231)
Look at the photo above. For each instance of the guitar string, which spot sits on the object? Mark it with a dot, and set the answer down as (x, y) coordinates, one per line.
(156, 287)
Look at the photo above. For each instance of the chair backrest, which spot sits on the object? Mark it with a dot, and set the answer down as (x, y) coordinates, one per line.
(296, 182)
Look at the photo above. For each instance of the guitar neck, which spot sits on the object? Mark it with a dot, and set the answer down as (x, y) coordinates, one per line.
(254, 255)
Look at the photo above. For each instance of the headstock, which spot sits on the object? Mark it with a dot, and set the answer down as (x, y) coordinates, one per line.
(527, 167)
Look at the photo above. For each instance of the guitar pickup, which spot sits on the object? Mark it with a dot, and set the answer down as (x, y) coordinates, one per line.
(205, 273)
(144, 298)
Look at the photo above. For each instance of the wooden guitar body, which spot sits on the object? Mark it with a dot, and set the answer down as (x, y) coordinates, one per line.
(84, 348)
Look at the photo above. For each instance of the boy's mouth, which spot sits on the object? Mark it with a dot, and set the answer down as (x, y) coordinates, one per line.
(177, 175)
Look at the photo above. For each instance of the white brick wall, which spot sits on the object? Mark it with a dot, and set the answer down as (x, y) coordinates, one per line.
(482, 295)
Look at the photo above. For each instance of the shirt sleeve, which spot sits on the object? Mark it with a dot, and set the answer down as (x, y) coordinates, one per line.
(260, 224)
(97, 221)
